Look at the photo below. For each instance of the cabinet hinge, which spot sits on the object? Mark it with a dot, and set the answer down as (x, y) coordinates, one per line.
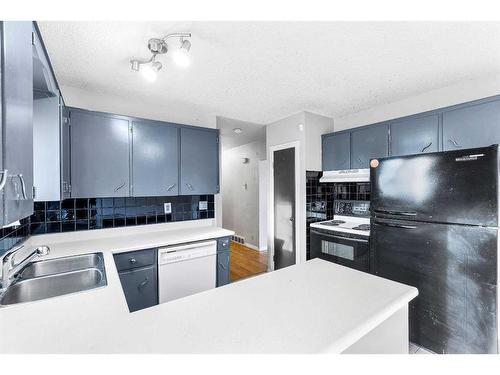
(67, 120)
(34, 191)
(32, 38)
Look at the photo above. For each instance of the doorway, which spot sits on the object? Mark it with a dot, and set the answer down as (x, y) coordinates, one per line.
(284, 207)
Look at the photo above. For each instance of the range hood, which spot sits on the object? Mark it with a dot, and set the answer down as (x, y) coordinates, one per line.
(346, 175)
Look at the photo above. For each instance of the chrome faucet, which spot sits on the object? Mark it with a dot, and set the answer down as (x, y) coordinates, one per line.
(9, 269)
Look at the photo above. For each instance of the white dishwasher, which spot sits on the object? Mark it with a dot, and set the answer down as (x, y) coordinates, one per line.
(186, 269)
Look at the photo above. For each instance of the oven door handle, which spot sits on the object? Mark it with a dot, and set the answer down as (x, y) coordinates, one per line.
(339, 237)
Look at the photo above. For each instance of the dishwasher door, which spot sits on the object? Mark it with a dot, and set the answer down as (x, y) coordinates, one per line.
(186, 269)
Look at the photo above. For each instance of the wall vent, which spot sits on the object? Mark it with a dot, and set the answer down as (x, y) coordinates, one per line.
(238, 239)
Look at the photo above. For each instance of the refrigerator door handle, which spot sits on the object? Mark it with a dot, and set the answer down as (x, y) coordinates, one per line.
(395, 225)
(390, 212)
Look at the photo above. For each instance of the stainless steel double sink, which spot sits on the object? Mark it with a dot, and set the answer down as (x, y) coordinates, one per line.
(56, 277)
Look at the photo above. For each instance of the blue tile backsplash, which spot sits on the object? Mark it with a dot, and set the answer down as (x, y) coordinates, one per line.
(71, 215)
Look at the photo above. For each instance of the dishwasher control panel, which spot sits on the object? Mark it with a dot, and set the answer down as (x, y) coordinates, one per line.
(185, 252)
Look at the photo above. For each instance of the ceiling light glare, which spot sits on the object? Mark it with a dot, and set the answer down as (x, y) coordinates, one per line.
(237, 130)
(149, 73)
(181, 56)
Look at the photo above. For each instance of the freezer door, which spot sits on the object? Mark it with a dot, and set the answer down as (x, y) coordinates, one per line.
(454, 268)
(448, 187)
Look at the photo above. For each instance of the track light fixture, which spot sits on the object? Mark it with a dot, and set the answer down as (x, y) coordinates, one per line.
(158, 46)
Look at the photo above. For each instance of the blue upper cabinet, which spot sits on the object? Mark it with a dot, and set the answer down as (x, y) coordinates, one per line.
(415, 135)
(99, 155)
(472, 126)
(155, 158)
(199, 161)
(368, 143)
(336, 153)
(16, 123)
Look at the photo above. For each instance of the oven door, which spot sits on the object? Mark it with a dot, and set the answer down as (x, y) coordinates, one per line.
(340, 249)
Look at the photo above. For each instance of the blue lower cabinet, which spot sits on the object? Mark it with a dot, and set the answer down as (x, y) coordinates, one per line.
(140, 287)
(223, 265)
(138, 274)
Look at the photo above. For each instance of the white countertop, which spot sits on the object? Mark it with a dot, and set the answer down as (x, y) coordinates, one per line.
(316, 306)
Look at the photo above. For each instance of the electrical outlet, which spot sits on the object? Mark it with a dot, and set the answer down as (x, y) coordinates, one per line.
(203, 205)
(167, 207)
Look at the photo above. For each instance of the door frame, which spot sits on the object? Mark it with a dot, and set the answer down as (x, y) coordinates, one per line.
(298, 233)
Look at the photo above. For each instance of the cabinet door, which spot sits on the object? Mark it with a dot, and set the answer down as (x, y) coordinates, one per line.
(155, 158)
(368, 143)
(223, 276)
(99, 155)
(415, 136)
(474, 126)
(140, 287)
(65, 154)
(336, 151)
(17, 119)
(199, 161)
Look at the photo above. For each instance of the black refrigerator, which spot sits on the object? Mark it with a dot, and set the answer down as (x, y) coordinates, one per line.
(434, 225)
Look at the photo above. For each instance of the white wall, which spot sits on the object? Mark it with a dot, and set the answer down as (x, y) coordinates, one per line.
(240, 205)
(315, 126)
(455, 94)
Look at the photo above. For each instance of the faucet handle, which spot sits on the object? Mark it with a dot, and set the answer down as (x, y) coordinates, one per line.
(43, 250)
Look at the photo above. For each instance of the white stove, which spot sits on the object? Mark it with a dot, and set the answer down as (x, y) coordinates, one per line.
(345, 224)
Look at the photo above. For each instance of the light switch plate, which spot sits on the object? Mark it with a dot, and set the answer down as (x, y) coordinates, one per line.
(203, 205)
(167, 207)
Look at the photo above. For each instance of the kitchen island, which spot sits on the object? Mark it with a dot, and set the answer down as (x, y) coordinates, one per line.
(313, 307)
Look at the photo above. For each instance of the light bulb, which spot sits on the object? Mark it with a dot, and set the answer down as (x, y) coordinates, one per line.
(181, 57)
(149, 73)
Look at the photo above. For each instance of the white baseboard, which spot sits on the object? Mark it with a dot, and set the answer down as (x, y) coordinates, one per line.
(251, 246)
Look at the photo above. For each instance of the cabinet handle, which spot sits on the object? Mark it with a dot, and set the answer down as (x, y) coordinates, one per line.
(119, 187)
(170, 187)
(455, 143)
(223, 266)
(142, 284)
(426, 147)
(190, 187)
(4, 178)
(23, 186)
(132, 260)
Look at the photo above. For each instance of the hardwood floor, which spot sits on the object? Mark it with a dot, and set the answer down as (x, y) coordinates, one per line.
(246, 262)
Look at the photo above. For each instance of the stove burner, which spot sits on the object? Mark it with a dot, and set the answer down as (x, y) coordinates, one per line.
(362, 227)
(334, 223)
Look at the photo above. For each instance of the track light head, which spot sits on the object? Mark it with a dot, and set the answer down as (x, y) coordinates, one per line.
(158, 46)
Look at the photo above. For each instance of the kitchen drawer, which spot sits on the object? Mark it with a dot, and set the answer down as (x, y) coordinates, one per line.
(135, 259)
(223, 244)
(140, 287)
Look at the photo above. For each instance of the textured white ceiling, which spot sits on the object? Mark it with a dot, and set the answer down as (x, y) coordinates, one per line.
(263, 71)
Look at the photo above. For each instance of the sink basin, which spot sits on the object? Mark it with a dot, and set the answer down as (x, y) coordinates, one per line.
(60, 265)
(53, 285)
(56, 277)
